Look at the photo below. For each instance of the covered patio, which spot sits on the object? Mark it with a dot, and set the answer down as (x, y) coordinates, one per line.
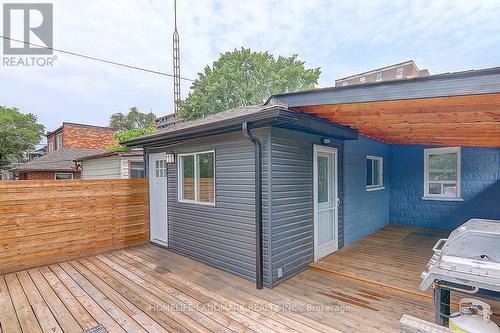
(392, 258)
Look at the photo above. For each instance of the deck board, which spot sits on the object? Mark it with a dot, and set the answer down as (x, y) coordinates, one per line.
(392, 258)
(129, 291)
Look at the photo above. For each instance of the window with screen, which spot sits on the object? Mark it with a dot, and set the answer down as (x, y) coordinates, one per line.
(374, 173)
(59, 141)
(442, 173)
(136, 169)
(399, 72)
(196, 177)
(63, 176)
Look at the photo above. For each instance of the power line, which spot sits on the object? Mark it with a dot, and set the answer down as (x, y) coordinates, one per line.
(97, 59)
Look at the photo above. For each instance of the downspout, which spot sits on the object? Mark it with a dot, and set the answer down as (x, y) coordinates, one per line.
(259, 275)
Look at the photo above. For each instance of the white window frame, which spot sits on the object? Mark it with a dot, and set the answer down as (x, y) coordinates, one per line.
(50, 146)
(362, 79)
(439, 151)
(399, 72)
(63, 173)
(58, 140)
(196, 178)
(377, 79)
(380, 173)
(344, 83)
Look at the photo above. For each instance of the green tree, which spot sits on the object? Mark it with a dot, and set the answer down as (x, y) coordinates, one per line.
(19, 133)
(242, 78)
(134, 119)
(122, 136)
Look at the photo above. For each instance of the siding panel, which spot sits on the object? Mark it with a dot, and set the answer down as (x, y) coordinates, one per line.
(224, 235)
(292, 213)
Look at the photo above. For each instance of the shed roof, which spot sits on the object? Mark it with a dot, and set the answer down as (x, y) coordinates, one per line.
(59, 160)
(231, 120)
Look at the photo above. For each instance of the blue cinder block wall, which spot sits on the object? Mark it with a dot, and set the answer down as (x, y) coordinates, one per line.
(480, 188)
(364, 211)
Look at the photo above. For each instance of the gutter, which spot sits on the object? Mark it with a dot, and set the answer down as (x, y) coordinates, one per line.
(259, 274)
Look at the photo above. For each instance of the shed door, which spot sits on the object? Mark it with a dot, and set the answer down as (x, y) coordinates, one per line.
(325, 201)
(158, 199)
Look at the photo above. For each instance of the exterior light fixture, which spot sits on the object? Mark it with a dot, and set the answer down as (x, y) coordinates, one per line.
(326, 141)
(170, 158)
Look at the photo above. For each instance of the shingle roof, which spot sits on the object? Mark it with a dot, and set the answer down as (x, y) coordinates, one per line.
(109, 154)
(232, 120)
(59, 160)
(200, 123)
(229, 114)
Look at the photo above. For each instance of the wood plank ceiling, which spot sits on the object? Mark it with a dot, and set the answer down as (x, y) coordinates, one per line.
(472, 120)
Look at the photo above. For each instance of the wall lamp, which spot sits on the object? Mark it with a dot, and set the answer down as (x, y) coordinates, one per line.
(170, 158)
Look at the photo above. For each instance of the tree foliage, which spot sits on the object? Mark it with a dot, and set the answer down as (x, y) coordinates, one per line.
(242, 78)
(122, 136)
(134, 119)
(19, 133)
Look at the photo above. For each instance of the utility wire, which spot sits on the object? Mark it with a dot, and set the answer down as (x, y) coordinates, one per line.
(97, 59)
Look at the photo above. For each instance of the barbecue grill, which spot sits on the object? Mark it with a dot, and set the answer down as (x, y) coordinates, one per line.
(467, 261)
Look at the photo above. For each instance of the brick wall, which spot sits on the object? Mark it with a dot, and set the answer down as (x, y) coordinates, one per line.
(83, 136)
(364, 211)
(43, 175)
(87, 136)
(480, 187)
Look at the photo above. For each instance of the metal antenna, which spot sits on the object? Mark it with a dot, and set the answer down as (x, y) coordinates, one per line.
(177, 64)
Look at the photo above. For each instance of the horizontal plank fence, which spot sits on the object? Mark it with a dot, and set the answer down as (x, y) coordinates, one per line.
(48, 221)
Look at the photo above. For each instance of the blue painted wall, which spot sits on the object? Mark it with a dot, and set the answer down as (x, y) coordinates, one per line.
(364, 211)
(480, 189)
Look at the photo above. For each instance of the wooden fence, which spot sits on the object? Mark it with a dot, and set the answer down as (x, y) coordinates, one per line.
(49, 221)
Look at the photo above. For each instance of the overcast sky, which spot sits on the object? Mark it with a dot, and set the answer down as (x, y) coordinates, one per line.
(341, 37)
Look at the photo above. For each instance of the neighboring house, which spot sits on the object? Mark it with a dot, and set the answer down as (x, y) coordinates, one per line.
(67, 143)
(34, 154)
(112, 165)
(58, 165)
(403, 70)
(165, 121)
(6, 173)
(263, 191)
(72, 135)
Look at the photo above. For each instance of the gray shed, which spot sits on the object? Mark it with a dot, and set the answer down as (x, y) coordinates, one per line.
(261, 231)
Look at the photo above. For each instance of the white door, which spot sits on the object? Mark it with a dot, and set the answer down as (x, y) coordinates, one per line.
(325, 201)
(158, 199)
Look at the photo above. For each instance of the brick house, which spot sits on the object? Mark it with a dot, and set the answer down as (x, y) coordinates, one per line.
(400, 71)
(65, 144)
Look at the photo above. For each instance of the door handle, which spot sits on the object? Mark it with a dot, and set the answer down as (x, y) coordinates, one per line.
(337, 202)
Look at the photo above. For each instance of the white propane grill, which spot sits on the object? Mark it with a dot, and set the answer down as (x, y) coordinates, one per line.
(470, 256)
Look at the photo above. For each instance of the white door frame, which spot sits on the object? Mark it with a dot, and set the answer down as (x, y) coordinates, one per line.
(152, 224)
(334, 151)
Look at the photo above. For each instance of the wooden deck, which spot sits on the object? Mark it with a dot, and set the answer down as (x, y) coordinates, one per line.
(149, 289)
(391, 258)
